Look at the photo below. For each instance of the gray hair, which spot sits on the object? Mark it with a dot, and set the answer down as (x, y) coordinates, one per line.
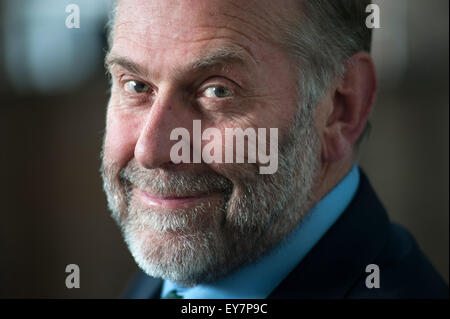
(111, 22)
(324, 35)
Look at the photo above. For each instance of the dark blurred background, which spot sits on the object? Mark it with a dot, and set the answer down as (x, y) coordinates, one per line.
(53, 93)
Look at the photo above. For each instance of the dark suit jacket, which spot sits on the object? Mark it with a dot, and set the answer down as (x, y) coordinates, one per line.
(336, 266)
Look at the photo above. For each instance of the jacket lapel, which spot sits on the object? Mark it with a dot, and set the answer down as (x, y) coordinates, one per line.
(331, 268)
(143, 287)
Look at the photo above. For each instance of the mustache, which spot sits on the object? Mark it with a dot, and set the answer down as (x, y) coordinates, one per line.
(165, 182)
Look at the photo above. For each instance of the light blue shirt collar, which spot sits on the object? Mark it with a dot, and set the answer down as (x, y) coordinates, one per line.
(276, 265)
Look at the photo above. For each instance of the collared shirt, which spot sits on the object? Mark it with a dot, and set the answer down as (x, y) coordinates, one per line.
(259, 279)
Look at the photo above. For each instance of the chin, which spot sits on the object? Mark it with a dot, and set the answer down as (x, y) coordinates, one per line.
(187, 258)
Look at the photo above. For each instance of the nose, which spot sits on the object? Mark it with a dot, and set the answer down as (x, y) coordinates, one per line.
(168, 112)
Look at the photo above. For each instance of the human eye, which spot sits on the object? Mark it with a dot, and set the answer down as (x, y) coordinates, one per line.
(217, 92)
(135, 87)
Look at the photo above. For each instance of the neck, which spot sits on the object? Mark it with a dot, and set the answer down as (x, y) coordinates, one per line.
(331, 174)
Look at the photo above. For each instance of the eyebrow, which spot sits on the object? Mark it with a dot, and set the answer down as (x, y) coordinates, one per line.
(221, 57)
(124, 62)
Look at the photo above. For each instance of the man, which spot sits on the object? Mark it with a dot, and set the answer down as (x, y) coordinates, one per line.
(314, 227)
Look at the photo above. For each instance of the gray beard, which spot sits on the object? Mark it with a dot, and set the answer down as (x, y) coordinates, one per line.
(204, 243)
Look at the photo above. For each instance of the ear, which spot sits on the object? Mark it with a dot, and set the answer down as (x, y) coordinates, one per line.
(349, 105)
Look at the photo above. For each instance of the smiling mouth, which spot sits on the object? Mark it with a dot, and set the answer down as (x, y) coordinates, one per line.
(174, 202)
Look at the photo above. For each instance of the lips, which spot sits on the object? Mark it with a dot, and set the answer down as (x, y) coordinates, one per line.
(171, 202)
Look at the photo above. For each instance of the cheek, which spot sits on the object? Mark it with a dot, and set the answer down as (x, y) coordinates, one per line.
(122, 132)
(236, 172)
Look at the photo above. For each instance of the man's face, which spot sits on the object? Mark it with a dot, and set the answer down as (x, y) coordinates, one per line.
(173, 62)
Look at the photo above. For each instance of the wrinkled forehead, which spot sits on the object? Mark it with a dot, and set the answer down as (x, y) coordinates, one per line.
(173, 21)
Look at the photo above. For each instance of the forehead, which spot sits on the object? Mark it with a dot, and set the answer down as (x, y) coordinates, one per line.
(180, 29)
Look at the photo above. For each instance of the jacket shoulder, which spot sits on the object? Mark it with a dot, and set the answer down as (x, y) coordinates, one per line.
(404, 271)
(363, 235)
